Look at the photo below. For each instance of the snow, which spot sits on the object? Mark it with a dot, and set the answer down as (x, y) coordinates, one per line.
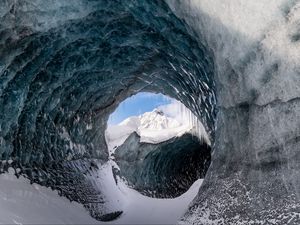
(153, 127)
(22, 203)
(140, 209)
(162, 124)
(146, 210)
(243, 16)
(156, 120)
(251, 37)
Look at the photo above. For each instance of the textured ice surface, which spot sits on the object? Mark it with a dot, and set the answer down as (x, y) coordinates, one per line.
(254, 177)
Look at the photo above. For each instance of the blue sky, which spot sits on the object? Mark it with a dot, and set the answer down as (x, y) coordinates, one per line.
(137, 105)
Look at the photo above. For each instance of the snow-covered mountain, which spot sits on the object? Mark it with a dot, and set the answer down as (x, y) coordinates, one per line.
(155, 121)
(153, 127)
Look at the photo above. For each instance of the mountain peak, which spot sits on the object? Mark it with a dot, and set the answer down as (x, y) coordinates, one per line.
(159, 112)
(157, 120)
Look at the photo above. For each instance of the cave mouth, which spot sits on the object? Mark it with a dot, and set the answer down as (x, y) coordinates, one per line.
(156, 145)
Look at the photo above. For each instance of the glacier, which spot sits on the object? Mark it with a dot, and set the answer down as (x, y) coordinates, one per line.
(65, 65)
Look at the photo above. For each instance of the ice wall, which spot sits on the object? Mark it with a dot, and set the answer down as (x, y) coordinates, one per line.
(254, 177)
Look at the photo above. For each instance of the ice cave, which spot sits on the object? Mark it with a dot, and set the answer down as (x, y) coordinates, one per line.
(65, 67)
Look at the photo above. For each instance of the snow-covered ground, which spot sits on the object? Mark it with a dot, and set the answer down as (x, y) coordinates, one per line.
(140, 209)
(22, 203)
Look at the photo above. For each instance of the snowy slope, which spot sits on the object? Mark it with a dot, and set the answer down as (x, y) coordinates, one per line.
(22, 203)
(140, 209)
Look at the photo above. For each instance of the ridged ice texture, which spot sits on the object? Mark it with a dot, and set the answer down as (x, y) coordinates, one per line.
(66, 64)
(162, 170)
(254, 176)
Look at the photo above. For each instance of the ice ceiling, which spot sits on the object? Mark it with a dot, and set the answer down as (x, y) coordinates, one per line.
(66, 65)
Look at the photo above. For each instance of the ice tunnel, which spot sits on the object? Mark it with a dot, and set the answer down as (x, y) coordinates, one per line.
(67, 64)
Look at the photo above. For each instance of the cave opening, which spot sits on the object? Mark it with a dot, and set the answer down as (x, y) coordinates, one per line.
(157, 147)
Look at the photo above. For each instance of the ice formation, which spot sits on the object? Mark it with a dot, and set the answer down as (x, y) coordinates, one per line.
(254, 175)
(67, 64)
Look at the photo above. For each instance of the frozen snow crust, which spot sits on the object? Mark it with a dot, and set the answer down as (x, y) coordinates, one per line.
(156, 127)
